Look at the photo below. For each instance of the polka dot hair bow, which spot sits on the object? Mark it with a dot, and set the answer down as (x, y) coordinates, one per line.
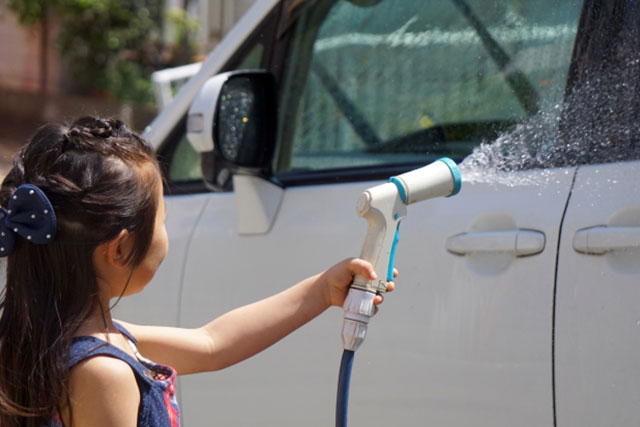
(30, 215)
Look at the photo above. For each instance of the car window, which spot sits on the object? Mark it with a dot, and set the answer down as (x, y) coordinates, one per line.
(600, 119)
(398, 82)
(185, 161)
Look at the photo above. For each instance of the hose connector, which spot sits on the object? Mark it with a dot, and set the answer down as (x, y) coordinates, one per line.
(358, 309)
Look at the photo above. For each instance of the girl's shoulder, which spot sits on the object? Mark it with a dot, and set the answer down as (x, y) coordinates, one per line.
(120, 383)
(104, 375)
(103, 391)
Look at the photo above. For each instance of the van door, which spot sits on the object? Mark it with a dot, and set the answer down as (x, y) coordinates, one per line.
(597, 343)
(369, 89)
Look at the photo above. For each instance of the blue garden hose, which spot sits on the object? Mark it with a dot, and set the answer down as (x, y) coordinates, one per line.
(344, 379)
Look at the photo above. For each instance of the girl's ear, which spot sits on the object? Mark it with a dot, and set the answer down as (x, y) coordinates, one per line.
(118, 249)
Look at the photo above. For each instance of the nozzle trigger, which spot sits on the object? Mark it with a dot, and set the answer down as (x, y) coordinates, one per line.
(392, 255)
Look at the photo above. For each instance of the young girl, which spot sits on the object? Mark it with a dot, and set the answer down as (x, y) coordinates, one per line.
(81, 223)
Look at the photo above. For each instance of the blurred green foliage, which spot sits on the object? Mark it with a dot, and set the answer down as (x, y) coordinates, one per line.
(186, 32)
(111, 47)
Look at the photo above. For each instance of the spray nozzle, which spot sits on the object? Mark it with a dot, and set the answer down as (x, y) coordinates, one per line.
(440, 178)
(384, 206)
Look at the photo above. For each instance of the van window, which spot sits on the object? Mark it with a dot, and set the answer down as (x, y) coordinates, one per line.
(600, 119)
(402, 82)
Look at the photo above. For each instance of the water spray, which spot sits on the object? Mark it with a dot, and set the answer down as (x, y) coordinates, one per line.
(384, 206)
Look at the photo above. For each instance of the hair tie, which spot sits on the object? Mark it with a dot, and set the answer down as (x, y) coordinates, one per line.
(30, 215)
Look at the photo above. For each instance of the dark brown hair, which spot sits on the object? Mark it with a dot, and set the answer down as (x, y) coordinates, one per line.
(100, 178)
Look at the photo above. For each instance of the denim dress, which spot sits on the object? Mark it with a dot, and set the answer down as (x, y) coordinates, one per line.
(158, 405)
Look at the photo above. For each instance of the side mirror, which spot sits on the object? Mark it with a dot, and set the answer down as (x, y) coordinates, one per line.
(232, 124)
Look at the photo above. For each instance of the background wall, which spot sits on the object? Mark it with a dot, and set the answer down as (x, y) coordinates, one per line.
(217, 18)
(32, 90)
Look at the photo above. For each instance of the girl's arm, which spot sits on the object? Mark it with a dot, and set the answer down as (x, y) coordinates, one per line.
(245, 331)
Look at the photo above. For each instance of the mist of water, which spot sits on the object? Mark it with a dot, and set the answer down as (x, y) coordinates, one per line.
(597, 123)
(527, 146)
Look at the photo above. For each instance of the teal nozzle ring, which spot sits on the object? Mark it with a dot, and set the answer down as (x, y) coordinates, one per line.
(401, 190)
(455, 173)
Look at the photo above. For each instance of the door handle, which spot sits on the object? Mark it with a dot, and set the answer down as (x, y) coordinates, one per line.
(520, 242)
(600, 239)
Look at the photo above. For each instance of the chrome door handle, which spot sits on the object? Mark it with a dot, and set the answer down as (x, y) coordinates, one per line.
(520, 242)
(600, 239)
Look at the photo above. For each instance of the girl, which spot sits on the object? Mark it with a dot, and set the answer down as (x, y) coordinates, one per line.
(82, 222)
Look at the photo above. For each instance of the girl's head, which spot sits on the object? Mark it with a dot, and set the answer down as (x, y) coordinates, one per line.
(105, 186)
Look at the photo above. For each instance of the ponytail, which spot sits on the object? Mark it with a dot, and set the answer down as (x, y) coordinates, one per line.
(100, 178)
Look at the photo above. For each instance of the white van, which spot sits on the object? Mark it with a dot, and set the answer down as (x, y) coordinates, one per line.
(518, 299)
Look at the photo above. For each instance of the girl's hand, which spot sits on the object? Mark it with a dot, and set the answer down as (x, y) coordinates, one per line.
(339, 277)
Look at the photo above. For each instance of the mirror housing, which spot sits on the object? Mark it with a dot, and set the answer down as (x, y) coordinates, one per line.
(232, 124)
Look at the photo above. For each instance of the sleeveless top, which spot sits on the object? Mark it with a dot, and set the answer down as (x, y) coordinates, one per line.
(158, 405)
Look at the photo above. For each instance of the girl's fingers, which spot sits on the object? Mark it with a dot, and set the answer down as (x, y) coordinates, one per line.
(363, 268)
(379, 298)
(390, 287)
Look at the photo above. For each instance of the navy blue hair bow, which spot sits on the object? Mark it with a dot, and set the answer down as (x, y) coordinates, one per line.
(29, 214)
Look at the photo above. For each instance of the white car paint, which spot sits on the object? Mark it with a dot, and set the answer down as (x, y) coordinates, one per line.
(465, 340)
(598, 319)
(446, 348)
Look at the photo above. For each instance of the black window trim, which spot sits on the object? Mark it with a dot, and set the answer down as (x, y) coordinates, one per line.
(345, 175)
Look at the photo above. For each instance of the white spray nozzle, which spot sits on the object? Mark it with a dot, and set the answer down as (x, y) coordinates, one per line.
(438, 179)
(384, 206)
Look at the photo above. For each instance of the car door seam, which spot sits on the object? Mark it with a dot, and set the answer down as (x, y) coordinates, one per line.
(183, 268)
(183, 272)
(555, 291)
